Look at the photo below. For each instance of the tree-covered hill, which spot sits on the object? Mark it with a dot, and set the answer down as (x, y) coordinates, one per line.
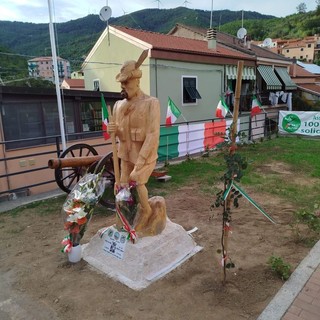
(75, 38)
(293, 26)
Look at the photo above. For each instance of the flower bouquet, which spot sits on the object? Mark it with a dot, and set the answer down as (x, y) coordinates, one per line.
(78, 208)
(126, 208)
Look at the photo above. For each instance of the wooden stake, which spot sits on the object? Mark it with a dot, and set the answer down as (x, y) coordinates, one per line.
(115, 152)
(227, 206)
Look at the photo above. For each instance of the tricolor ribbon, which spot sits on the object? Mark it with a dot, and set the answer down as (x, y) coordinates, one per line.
(102, 231)
(67, 244)
(226, 193)
(232, 184)
(224, 259)
(254, 203)
(126, 226)
(227, 227)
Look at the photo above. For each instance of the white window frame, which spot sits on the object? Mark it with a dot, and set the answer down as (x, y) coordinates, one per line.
(189, 103)
(94, 85)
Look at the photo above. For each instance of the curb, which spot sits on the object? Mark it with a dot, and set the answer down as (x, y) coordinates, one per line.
(12, 204)
(290, 290)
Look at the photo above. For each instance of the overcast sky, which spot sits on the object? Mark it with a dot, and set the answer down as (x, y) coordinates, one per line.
(65, 10)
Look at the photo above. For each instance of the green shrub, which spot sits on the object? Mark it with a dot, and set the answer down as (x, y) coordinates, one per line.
(282, 269)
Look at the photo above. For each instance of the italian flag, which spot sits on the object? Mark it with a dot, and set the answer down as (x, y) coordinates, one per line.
(105, 116)
(173, 113)
(255, 106)
(222, 109)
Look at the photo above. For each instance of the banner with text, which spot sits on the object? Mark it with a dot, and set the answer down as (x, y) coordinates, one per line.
(299, 122)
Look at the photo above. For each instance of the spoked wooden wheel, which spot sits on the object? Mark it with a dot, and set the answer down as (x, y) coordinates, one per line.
(106, 166)
(68, 177)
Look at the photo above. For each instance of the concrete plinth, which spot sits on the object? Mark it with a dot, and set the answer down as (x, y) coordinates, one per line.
(146, 261)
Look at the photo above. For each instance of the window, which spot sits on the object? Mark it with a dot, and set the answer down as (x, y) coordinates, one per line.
(22, 122)
(288, 50)
(39, 121)
(91, 116)
(301, 49)
(96, 85)
(190, 93)
(309, 45)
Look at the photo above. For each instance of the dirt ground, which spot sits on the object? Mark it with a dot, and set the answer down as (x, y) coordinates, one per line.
(37, 281)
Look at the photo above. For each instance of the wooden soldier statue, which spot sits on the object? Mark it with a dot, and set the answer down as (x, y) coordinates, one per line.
(136, 123)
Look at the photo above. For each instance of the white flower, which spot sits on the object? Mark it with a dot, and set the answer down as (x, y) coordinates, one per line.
(79, 213)
(77, 194)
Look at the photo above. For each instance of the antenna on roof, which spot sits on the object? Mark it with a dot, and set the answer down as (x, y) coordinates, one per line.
(211, 14)
(242, 32)
(242, 20)
(212, 33)
(105, 15)
(267, 42)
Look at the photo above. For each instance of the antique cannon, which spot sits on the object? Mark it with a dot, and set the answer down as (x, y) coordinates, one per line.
(76, 161)
(81, 158)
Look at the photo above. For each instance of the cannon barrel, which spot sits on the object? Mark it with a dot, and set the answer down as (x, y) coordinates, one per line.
(72, 162)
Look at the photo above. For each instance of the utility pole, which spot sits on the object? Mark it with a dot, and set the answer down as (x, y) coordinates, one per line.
(56, 78)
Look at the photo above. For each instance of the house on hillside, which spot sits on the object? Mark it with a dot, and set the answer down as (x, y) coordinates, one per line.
(302, 49)
(42, 67)
(189, 71)
(308, 83)
(271, 69)
(77, 75)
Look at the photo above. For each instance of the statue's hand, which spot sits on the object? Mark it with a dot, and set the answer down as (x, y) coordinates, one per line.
(112, 127)
(135, 172)
(139, 164)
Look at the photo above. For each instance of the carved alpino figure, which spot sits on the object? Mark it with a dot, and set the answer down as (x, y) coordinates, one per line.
(136, 123)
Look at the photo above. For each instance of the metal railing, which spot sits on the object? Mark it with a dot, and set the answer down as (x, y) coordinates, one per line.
(76, 137)
(254, 129)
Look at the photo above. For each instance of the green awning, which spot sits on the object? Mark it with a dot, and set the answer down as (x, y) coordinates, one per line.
(284, 76)
(247, 73)
(270, 78)
(231, 72)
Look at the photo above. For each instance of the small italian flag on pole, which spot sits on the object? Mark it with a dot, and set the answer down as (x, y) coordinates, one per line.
(173, 113)
(105, 116)
(222, 109)
(255, 106)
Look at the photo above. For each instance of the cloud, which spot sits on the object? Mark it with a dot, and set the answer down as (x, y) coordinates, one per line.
(65, 10)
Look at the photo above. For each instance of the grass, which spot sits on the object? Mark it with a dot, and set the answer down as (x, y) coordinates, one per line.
(299, 156)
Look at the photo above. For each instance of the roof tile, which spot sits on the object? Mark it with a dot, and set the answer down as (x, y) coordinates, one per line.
(172, 43)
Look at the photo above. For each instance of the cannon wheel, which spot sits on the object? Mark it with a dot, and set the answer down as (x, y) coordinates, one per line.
(68, 177)
(106, 164)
